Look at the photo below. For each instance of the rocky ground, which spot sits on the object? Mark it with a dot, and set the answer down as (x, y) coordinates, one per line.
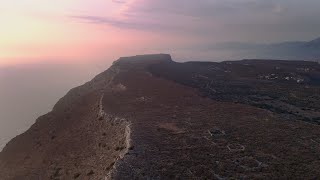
(288, 88)
(148, 117)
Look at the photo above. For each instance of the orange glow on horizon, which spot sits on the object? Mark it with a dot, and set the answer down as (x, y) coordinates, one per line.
(34, 31)
(42, 31)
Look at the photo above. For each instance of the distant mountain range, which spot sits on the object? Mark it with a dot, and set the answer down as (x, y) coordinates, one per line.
(293, 50)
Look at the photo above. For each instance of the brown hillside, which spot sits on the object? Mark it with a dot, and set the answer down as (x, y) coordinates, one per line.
(140, 120)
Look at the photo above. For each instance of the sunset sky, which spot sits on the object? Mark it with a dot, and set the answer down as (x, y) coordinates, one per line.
(68, 31)
(50, 46)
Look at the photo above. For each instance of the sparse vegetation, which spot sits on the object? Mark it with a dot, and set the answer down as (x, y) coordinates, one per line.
(258, 83)
(200, 121)
(90, 173)
(75, 176)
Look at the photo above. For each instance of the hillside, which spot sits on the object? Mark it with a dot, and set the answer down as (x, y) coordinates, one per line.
(314, 43)
(148, 117)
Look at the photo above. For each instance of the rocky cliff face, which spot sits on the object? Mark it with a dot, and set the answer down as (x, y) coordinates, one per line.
(76, 140)
(133, 122)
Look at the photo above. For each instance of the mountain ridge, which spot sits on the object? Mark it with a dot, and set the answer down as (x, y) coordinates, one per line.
(158, 119)
(290, 50)
(314, 43)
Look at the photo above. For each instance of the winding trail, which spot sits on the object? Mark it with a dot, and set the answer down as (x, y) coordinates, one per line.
(106, 117)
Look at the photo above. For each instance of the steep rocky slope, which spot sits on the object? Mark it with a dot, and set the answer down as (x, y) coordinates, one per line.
(135, 121)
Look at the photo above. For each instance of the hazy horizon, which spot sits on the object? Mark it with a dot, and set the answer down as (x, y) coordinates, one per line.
(83, 31)
(49, 47)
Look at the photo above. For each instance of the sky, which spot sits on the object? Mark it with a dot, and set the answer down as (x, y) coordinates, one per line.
(83, 31)
(48, 47)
